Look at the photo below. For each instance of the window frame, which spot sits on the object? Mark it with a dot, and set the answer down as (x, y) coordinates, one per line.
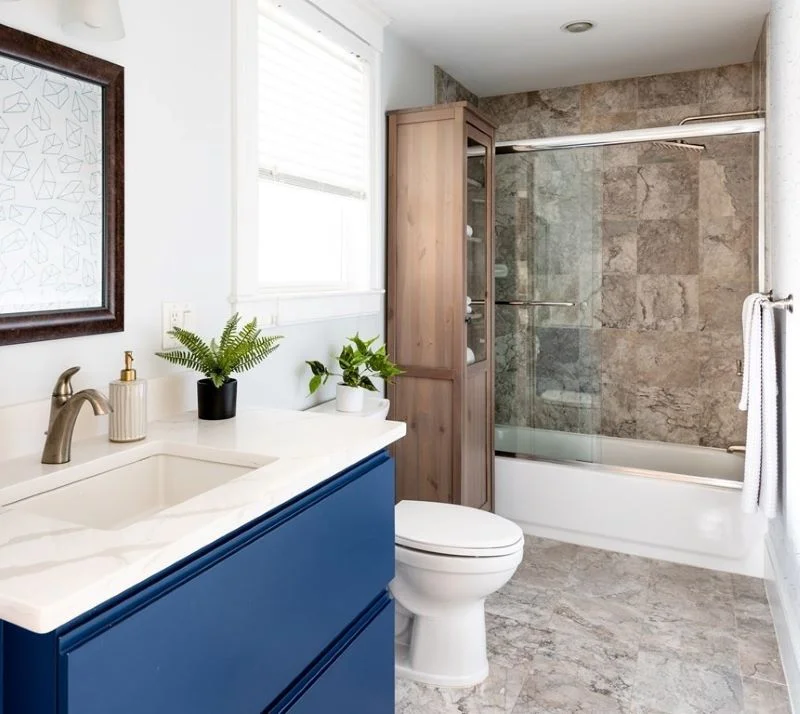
(277, 305)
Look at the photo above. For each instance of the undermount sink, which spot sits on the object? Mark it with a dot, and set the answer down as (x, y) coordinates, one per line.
(118, 497)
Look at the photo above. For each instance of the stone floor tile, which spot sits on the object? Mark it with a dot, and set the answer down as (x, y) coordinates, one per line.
(604, 620)
(546, 563)
(511, 644)
(523, 602)
(497, 695)
(415, 698)
(689, 641)
(750, 599)
(762, 697)
(553, 686)
(607, 667)
(681, 592)
(678, 578)
(604, 574)
(758, 653)
(677, 687)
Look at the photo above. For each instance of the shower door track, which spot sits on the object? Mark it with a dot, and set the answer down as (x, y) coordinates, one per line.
(632, 136)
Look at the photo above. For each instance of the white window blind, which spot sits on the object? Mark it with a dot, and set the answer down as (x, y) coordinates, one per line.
(313, 155)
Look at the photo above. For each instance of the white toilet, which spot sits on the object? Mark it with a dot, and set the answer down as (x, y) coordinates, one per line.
(448, 560)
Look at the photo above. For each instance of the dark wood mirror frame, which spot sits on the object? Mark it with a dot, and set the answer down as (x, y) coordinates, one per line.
(34, 326)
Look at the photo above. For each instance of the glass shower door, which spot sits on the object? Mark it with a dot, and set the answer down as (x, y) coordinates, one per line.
(547, 275)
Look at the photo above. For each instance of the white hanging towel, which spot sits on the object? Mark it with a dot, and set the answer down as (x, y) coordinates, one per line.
(760, 400)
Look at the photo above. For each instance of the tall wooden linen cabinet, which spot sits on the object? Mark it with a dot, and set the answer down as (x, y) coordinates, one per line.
(440, 302)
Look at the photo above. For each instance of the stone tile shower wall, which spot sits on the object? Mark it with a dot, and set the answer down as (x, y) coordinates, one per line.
(448, 89)
(655, 246)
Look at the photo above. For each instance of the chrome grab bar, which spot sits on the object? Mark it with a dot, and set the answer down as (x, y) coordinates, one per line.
(534, 303)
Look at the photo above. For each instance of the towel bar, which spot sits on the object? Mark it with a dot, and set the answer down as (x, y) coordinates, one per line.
(786, 303)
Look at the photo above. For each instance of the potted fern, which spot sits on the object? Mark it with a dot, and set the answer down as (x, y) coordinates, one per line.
(359, 363)
(237, 350)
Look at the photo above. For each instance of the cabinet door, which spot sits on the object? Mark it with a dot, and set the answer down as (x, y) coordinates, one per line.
(358, 678)
(477, 446)
(230, 638)
(477, 237)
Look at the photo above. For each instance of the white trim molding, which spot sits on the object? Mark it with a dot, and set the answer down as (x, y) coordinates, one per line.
(359, 17)
(244, 89)
(783, 591)
(295, 308)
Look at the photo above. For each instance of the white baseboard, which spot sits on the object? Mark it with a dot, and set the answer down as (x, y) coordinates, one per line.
(783, 592)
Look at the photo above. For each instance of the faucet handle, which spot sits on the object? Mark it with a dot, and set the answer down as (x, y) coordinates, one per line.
(63, 386)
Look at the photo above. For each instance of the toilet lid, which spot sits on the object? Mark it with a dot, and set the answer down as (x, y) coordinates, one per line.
(454, 530)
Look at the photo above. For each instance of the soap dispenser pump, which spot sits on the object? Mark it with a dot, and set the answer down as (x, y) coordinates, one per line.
(128, 397)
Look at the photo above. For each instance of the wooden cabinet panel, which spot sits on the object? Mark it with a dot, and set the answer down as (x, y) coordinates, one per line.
(478, 457)
(441, 164)
(428, 213)
(425, 456)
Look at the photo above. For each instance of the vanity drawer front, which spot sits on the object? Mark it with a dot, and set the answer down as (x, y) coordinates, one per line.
(232, 637)
(357, 679)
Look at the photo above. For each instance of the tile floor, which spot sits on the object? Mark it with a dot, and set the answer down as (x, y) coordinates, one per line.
(584, 630)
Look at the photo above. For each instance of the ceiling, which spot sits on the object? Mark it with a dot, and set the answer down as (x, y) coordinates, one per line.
(501, 46)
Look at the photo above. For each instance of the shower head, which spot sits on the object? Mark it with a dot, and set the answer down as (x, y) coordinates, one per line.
(680, 145)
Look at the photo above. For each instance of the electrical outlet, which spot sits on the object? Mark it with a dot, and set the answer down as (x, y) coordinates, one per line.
(175, 314)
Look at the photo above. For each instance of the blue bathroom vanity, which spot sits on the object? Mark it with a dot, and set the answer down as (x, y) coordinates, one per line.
(288, 613)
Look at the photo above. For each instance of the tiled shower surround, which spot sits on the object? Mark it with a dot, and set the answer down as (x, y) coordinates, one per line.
(654, 245)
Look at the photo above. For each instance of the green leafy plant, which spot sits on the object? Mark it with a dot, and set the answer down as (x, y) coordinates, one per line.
(359, 363)
(237, 350)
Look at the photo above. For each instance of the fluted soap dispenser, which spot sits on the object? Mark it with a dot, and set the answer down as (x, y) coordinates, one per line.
(128, 397)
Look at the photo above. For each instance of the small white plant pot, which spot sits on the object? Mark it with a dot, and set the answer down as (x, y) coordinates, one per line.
(349, 399)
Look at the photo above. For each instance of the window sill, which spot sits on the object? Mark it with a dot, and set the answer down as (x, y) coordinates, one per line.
(276, 309)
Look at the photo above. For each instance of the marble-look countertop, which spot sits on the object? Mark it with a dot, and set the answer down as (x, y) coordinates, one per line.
(52, 571)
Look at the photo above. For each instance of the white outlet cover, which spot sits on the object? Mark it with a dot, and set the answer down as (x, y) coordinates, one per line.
(175, 314)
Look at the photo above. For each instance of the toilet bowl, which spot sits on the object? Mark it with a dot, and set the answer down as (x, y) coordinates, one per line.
(449, 559)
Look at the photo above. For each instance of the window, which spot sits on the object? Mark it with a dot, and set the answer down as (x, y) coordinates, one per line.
(314, 152)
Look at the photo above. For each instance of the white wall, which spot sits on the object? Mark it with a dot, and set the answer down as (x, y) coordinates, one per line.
(407, 75)
(783, 119)
(784, 162)
(178, 214)
(177, 185)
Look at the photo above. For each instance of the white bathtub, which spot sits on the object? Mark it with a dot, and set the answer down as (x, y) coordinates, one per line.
(645, 457)
(666, 501)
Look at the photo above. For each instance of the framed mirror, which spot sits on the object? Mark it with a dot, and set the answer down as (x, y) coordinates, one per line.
(61, 191)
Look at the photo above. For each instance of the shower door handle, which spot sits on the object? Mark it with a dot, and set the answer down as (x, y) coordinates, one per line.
(534, 303)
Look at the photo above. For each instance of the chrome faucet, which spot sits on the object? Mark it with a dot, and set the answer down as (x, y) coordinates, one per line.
(64, 409)
(736, 449)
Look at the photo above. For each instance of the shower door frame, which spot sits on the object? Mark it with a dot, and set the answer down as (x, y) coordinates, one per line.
(637, 136)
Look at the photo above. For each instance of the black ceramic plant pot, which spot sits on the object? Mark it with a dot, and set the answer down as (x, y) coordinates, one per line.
(216, 402)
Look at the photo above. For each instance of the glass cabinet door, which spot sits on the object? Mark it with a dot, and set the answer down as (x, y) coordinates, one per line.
(477, 253)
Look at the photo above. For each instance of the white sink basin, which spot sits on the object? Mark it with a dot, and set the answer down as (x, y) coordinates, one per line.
(118, 497)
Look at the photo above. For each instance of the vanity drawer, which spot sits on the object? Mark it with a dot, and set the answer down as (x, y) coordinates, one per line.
(357, 677)
(231, 636)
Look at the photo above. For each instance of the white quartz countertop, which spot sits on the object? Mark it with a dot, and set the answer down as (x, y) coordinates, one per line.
(52, 571)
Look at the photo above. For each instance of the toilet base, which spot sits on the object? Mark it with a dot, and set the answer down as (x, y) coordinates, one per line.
(404, 671)
(445, 651)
